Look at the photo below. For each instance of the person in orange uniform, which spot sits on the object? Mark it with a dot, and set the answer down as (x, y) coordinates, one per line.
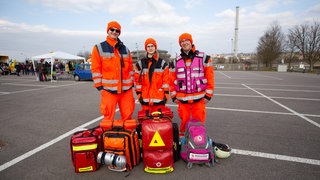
(112, 73)
(191, 81)
(152, 78)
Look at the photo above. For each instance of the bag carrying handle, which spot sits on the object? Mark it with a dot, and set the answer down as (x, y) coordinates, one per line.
(158, 115)
(87, 132)
(118, 124)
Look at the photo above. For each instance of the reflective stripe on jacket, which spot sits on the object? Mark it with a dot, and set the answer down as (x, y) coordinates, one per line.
(112, 66)
(152, 91)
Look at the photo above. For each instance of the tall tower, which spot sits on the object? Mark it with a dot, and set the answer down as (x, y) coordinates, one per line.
(236, 29)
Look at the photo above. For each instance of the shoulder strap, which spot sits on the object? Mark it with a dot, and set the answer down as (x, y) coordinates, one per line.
(144, 65)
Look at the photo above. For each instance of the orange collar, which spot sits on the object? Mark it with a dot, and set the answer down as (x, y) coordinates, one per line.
(111, 41)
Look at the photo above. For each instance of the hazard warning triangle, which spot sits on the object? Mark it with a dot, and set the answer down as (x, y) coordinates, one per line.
(156, 140)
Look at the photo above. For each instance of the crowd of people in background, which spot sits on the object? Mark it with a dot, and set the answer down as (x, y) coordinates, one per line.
(42, 68)
(20, 69)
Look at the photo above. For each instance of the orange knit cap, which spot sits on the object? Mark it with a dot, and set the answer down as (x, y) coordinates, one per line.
(113, 24)
(185, 36)
(150, 41)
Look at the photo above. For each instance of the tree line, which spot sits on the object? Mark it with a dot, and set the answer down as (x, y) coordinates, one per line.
(302, 40)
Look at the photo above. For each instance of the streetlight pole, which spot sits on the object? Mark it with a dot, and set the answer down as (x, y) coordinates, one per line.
(137, 52)
(171, 49)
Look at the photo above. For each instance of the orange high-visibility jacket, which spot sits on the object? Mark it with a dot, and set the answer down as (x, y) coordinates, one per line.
(208, 73)
(154, 91)
(112, 68)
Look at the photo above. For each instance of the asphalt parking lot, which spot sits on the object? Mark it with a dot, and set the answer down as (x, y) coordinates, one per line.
(271, 121)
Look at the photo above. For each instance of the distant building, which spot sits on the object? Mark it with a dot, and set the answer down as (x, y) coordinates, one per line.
(142, 53)
(4, 58)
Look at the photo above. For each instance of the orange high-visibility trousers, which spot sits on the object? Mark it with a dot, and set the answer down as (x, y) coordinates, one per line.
(194, 110)
(109, 103)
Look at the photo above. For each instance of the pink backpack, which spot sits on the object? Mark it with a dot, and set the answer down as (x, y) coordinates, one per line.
(197, 146)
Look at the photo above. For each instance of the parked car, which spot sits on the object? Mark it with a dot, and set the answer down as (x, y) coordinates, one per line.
(82, 72)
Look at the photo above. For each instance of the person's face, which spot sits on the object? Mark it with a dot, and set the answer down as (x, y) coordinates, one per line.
(186, 45)
(114, 33)
(151, 49)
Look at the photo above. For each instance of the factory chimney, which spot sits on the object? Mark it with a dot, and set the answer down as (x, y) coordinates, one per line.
(236, 29)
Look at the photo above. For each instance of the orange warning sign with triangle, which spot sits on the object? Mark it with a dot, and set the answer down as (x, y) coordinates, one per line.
(156, 140)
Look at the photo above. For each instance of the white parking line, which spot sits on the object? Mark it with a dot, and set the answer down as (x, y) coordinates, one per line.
(285, 107)
(4, 93)
(273, 97)
(267, 155)
(272, 77)
(276, 156)
(281, 85)
(20, 84)
(252, 111)
(36, 89)
(44, 146)
(262, 112)
(224, 74)
(27, 90)
(234, 151)
(264, 89)
(289, 90)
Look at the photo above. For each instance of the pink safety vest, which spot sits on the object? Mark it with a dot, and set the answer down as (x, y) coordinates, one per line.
(192, 79)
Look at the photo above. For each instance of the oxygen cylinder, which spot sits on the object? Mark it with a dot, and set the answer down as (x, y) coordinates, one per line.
(116, 160)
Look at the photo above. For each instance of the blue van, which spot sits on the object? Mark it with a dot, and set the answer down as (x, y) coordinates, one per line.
(82, 72)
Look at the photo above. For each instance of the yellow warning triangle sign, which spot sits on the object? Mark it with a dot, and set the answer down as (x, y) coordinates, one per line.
(156, 140)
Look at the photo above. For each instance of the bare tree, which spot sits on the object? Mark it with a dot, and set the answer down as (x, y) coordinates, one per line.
(306, 38)
(291, 50)
(270, 45)
(85, 54)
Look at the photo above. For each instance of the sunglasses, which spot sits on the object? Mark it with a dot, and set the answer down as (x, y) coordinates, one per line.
(115, 30)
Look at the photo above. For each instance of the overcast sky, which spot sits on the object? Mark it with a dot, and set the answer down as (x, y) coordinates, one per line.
(32, 27)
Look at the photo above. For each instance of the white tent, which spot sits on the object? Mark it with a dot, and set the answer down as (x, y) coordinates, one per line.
(51, 57)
